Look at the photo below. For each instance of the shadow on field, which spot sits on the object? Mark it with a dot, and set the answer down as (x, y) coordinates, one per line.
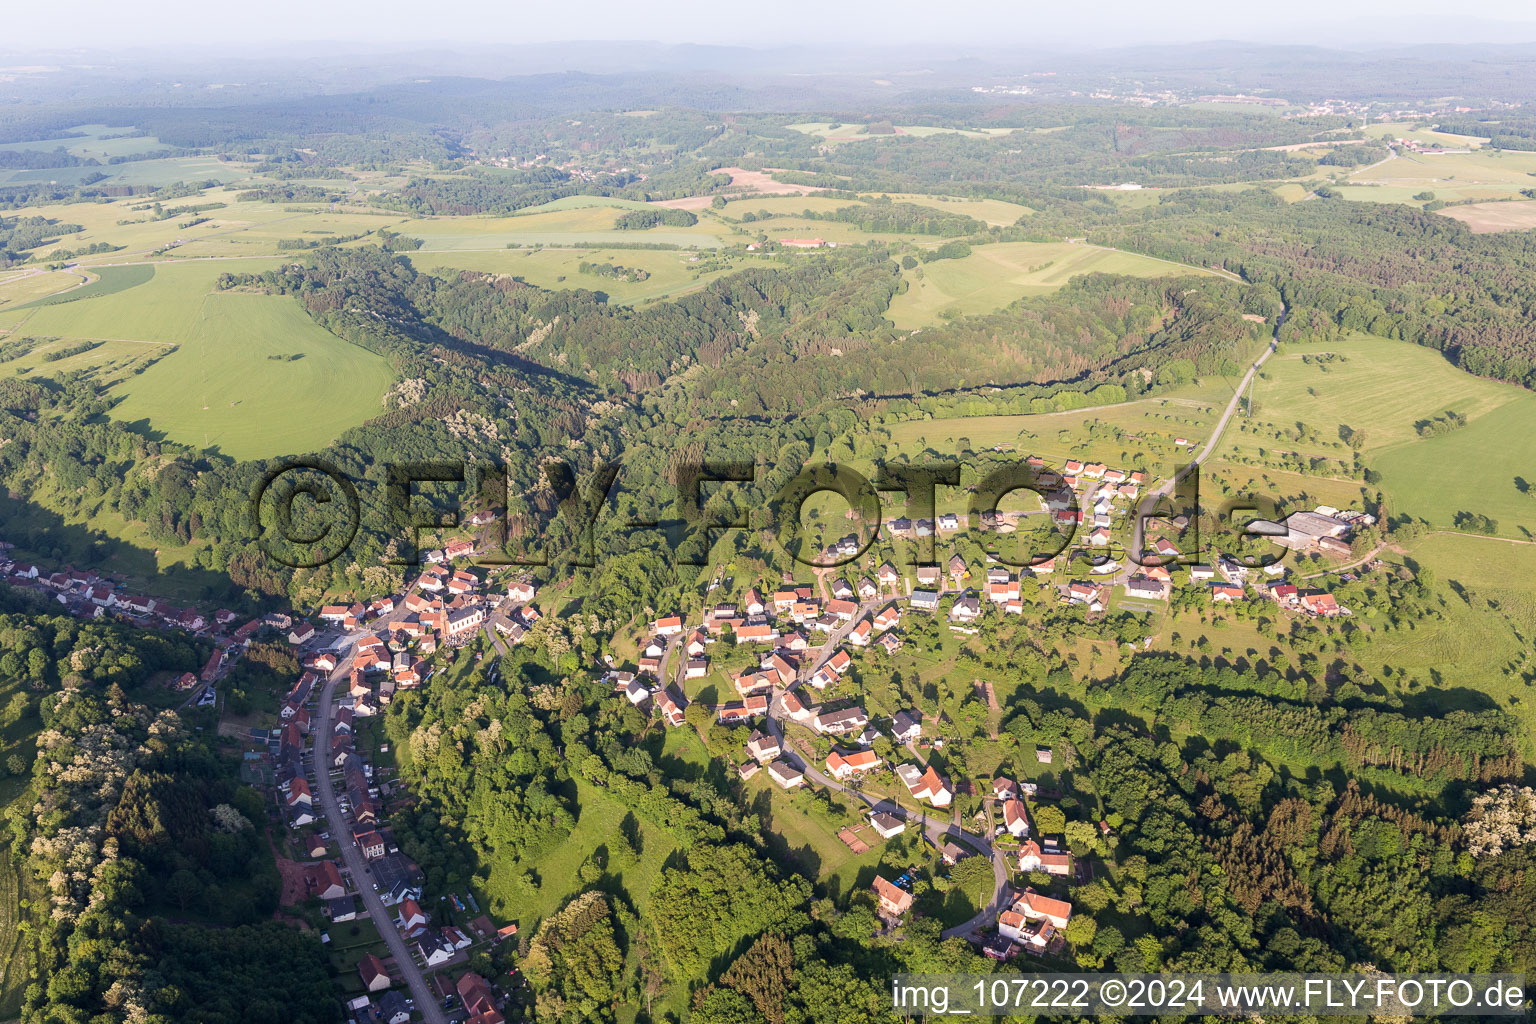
(43, 536)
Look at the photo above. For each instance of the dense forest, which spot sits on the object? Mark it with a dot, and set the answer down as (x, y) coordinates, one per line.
(134, 824)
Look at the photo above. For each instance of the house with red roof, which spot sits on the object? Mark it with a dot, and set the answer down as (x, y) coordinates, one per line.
(375, 977)
(1052, 862)
(1319, 603)
(1015, 818)
(845, 766)
(894, 900)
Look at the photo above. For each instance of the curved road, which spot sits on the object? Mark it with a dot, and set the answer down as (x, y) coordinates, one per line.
(426, 1002)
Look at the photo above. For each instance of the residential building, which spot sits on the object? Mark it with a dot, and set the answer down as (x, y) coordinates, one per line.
(375, 977)
(786, 774)
(1053, 861)
(845, 766)
(894, 901)
(907, 726)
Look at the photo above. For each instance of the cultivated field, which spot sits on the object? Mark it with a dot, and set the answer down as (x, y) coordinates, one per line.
(588, 224)
(18, 289)
(1487, 217)
(995, 275)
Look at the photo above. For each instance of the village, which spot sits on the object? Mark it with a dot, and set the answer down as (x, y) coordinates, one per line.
(803, 637)
(332, 793)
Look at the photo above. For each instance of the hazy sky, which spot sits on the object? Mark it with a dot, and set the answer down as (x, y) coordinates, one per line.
(115, 24)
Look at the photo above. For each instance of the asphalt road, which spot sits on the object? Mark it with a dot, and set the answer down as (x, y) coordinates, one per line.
(426, 1002)
(1166, 487)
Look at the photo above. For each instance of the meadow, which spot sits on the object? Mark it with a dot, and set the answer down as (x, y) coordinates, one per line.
(1479, 650)
(993, 276)
(834, 132)
(96, 141)
(20, 289)
(1114, 433)
(1484, 468)
(88, 285)
(1402, 130)
(996, 212)
(164, 171)
(1481, 174)
(1384, 388)
(529, 897)
(18, 740)
(671, 272)
(236, 229)
(587, 224)
(252, 376)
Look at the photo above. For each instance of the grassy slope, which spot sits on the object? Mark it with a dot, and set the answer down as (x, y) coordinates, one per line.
(18, 738)
(558, 269)
(219, 388)
(1385, 387)
(995, 275)
(245, 403)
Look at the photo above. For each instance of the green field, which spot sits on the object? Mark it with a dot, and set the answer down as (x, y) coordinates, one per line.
(1402, 130)
(583, 203)
(831, 131)
(17, 739)
(109, 281)
(785, 206)
(671, 272)
(137, 172)
(1481, 174)
(219, 389)
(235, 229)
(17, 290)
(586, 223)
(994, 211)
(13, 966)
(1481, 468)
(1480, 649)
(92, 140)
(993, 276)
(804, 832)
(1384, 388)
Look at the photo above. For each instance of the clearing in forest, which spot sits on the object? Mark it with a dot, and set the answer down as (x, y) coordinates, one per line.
(993, 276)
